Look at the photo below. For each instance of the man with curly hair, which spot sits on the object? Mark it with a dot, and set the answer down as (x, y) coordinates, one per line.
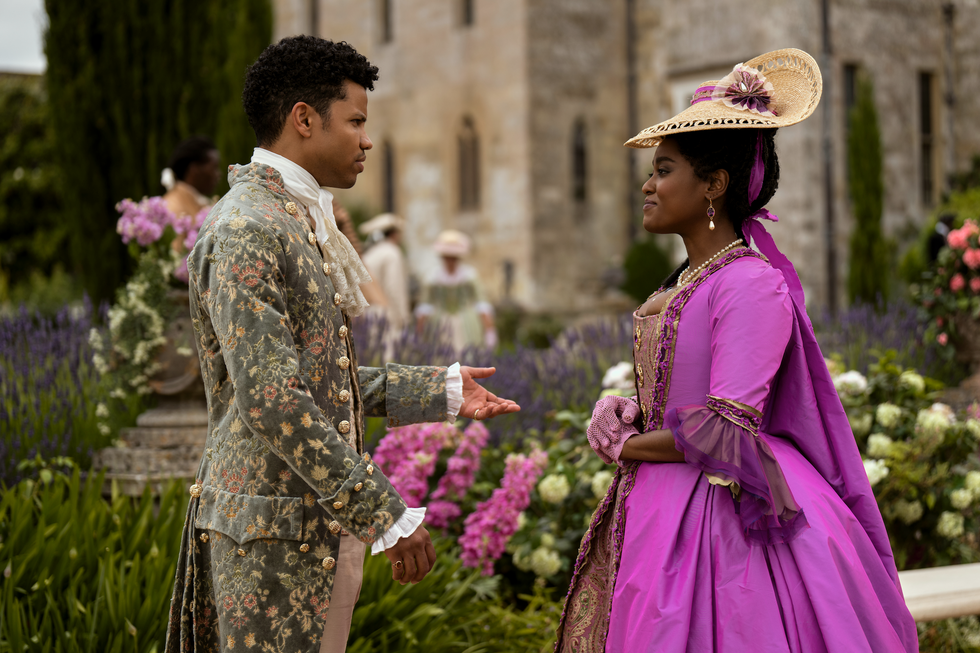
(285, 500)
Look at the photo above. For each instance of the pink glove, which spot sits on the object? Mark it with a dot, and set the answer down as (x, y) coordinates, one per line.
(612, 424)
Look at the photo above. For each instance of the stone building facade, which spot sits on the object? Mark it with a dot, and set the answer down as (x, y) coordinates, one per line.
(505, 119)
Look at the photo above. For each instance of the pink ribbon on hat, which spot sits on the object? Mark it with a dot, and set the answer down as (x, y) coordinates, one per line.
(754, 231)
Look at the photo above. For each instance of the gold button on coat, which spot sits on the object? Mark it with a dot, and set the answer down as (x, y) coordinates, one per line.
(241, 552)
(357, 488)
(304, 547)
(344, 396)
(342, 332)
(291, 208)
(343, 362)
(204, 537)
(370, 469)
(312, 238)
(334, 527)
(326, 268)
(337, 505)
(195, 490)
(329, 563)
(336, 299)
(344, 427)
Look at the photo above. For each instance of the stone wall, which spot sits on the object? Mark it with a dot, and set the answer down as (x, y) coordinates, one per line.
(527, 70)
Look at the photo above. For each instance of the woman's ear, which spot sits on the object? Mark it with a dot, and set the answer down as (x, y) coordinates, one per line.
(718, 184)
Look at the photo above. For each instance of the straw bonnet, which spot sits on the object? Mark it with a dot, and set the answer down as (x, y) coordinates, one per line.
(382, 223)
(776, 89)
(452, 243)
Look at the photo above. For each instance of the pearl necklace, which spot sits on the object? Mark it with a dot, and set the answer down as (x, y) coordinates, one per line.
(690, 276)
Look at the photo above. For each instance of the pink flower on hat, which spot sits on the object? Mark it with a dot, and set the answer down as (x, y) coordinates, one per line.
(747, 89)
(957, 283)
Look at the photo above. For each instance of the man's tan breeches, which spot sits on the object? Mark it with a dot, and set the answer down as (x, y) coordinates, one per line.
(346, 590)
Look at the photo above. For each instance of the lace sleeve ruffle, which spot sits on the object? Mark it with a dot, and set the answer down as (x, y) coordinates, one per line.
(722, 439)
(613, 422)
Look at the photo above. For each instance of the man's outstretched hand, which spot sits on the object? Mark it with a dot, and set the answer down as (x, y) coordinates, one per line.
(478, 402)
(412, 557)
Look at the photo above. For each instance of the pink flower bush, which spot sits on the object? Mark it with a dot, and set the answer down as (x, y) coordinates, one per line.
(975, 284)
(972, 258)
(942, 339)
(408, 455)
(490, 526)
(144, 222)
(460, 471)
(957, 283)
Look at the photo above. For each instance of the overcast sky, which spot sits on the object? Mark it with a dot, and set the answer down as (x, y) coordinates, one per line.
(21, 22)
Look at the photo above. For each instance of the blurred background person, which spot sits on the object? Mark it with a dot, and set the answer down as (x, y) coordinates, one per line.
(191, 176)
(453, 297)
(386, 263)
(937, 239)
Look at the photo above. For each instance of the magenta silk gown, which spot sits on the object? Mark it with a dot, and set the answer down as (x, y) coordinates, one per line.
(800, 561)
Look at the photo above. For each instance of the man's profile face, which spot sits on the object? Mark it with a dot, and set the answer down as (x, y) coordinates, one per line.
(338, 149)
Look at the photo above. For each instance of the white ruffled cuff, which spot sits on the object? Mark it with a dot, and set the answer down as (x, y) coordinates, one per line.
(405, 526)
(454, 392)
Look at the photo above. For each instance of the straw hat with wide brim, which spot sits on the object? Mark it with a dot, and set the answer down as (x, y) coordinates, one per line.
(382, 222)
(792, 86)
(452, 243)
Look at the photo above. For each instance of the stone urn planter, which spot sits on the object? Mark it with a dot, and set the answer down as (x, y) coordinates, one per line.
(168, 440)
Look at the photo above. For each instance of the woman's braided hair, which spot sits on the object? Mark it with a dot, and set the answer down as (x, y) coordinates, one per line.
(732, 150)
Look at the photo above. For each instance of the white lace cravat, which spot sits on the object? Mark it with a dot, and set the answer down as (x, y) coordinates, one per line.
(347, 272)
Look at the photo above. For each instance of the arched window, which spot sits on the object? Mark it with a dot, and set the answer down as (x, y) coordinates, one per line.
(469, 166)
(388, 154)
(467, 12)
(580, 162)
(385, 18)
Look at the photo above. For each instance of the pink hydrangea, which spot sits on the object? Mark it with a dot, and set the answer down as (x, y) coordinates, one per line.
(957, 283)
(487, 530)
(144, 222)
(975, 284)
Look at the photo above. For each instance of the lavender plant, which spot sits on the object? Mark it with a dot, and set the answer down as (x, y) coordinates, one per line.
(47, 390)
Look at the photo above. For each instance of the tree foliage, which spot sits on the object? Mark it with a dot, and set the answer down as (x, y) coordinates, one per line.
(869, 262)
(128, 80)
(32, 230)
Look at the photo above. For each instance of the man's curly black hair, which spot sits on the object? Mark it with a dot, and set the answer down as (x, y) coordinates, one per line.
(300, 69)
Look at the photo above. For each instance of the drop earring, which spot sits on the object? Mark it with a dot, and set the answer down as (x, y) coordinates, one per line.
(711, 215)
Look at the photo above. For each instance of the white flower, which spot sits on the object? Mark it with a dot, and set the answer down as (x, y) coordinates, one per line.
(888, 414)
(879, 446)
(912, 381)
(876, 470)
(545, 562)
(104, 429)
(961, 498)
(851, 383)
(553, 488)
(619, 377)
(101, 410)
(601, 482)
(973, 426)
(99, 362)
(934, 421)
(118, 393)
(908, 512)
(972, 481)
(950, 524)
(95, 339)
(185, 351)
(521, 520)
(860, 425)
(548, 540)
(833, 367)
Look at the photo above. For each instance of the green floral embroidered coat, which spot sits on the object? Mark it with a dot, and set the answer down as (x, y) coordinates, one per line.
(283, 470)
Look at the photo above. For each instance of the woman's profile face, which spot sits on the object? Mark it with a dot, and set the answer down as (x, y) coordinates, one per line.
(675, 197)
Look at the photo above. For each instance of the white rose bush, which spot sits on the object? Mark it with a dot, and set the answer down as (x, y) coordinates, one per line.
(921, 460)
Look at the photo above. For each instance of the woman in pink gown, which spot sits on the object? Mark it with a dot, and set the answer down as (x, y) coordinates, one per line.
(741, 518)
